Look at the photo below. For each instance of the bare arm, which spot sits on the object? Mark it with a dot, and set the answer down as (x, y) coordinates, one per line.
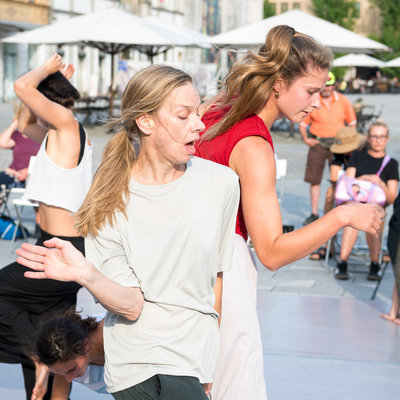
(26, 89)
(60, 260)
(28, 125)
(311, 142)
(334, 172)
(42, 378)
(61, 388)
(253, 160)
(5, 137)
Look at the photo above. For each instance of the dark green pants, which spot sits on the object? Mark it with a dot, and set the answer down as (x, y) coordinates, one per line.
(164, 387)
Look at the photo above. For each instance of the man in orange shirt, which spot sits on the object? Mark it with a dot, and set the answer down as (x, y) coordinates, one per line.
(336, 111)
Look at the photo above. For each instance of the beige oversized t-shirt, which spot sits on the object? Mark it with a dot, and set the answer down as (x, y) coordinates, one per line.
(176, 239)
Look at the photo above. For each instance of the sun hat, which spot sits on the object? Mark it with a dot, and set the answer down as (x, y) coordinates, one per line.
(346, 140)
(331, 79)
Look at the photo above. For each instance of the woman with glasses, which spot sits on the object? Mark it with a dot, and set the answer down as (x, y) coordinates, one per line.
(365, 165)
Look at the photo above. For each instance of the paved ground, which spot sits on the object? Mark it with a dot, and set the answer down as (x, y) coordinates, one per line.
(322, 338)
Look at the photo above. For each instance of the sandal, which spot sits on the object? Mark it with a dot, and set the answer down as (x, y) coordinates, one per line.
(319, 254)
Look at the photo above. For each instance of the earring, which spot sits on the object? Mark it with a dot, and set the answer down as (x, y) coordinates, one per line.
(276, 94)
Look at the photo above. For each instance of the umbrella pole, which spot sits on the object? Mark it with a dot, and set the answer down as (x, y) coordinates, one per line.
(112, 85)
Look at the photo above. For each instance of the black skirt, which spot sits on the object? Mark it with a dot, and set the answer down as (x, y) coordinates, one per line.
(25, 302)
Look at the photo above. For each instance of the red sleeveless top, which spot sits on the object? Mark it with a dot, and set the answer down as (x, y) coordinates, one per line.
(220, 148)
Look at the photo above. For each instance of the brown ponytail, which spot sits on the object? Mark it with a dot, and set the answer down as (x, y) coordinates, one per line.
(110, 187)
(247, 87)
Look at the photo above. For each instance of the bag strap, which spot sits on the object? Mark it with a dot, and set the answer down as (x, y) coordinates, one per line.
(385, 161)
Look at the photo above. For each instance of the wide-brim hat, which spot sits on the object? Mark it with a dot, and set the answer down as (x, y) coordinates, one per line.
(346, 140)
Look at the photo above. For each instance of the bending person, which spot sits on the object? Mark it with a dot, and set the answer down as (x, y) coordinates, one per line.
(71, 348)
(283, 80)
(159, 231)
(59, 182)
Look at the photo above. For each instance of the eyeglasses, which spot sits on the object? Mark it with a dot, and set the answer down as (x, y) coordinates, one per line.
(374, 137)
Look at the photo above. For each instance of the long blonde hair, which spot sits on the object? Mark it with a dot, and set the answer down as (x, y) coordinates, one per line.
(248, 85)
(145, 93)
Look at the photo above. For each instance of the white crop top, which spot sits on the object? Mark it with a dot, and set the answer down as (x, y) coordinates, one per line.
(57, 186)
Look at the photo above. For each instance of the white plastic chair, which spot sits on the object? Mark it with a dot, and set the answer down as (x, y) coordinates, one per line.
(19, 203)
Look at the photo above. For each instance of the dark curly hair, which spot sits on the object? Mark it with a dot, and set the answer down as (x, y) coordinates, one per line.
(63, 338)
(56, 87)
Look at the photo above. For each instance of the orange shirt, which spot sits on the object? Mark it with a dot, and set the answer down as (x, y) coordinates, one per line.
(326, 121)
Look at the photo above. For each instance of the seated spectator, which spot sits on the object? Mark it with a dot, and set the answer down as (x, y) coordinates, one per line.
(347, 140)
(23, 148)
(71, 348)
(366, 165)
(393, 246)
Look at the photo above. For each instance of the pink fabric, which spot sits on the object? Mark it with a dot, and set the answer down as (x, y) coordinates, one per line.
(23, 150)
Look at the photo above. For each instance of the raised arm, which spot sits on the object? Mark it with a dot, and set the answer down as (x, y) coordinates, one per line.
(28, 125)
(5, 137)
(60, 260)
(61, 118)
(253, 160)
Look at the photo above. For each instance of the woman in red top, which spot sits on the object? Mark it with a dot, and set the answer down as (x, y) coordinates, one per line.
(284, 79)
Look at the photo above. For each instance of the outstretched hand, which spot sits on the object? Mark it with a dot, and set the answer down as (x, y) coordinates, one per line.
(365, 217)
(59, 260)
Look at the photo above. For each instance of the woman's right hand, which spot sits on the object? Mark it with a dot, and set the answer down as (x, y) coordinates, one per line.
(59, 260)
(363, 217)
(53, 64)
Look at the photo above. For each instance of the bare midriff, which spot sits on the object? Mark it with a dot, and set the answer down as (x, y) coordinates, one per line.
(57, 221)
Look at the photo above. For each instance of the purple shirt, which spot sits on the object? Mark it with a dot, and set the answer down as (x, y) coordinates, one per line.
(22, 151)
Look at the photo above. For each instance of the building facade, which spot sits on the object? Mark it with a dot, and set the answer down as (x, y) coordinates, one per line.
(93, 68)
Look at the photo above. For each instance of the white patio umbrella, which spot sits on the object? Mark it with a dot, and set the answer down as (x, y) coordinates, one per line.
(334, 36)
(393, 63)
(358, 60)
(112, 31)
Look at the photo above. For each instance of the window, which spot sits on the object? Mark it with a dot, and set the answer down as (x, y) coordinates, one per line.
(284, 7)
(296, 6)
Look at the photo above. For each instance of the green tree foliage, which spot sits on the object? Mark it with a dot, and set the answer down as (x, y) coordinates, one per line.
(269, 9)
(341, 12)
(390, 33)
(390, 13)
